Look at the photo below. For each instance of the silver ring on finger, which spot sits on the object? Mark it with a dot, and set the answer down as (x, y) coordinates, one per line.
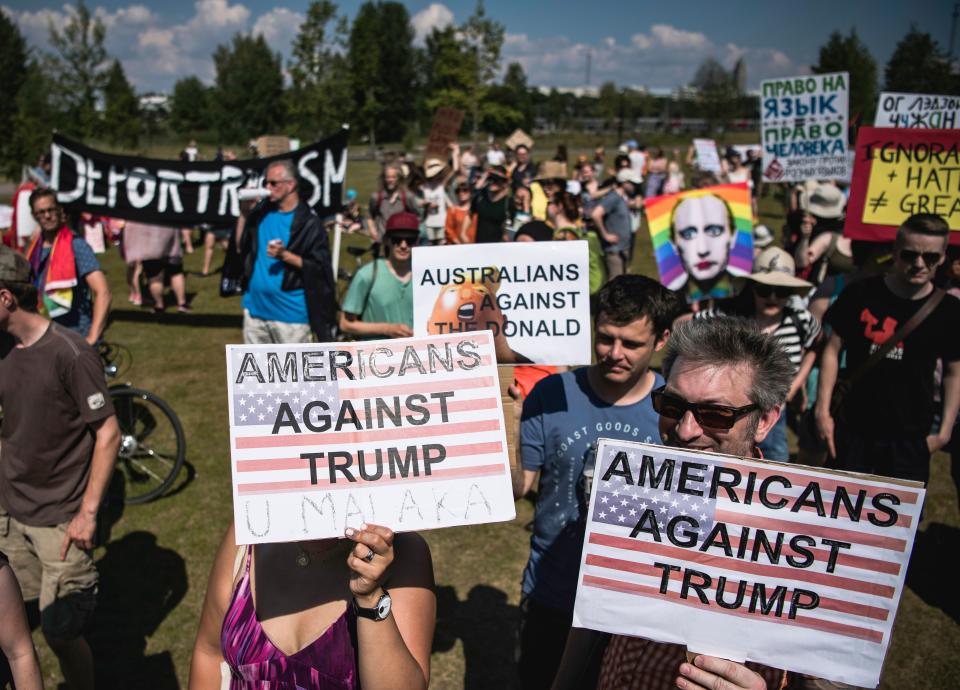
(369, 556)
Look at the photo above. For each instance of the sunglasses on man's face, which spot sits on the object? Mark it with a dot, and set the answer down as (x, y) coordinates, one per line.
(765, 291)
(275, 183)
(409, 240)
(708, 415)
(909, 256)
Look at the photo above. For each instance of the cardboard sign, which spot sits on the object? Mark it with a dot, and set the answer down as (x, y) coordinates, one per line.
(707, 156)
(794, 567)
(443, 132)
(804, 126)
(917, 111)
(533, 296)
(899, 172)
(272, 145)
(519, 138)
(407, 433)
(689, 251)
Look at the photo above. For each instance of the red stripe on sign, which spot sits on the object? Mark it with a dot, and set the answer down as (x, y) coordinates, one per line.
(852, 536)
(274, 464)
(421, 387)
(827, 484)
(778, 571)
(845, 559)
(346, 437)
(325, 485)
(874, 612)
(806, 622)
(903, 520)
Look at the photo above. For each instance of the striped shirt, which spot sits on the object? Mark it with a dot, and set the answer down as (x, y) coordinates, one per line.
(797, 331)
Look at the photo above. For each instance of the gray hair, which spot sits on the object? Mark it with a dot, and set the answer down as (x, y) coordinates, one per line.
(730, 341)
(288, 167)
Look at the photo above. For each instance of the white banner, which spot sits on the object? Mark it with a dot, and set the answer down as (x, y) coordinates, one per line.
(917, 111)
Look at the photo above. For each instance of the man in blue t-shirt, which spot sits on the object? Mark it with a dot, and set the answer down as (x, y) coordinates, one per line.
(611, 216)
(563, 417)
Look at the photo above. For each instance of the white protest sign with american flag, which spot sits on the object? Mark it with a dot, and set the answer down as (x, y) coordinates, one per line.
(794, 567)
(407, 433)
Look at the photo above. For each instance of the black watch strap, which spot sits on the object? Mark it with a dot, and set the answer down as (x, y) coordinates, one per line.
(371, 613)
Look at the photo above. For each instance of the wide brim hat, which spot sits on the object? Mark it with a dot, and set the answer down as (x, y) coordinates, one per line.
(774, 266)
(433, 167)
(551, 170)
(823, 201)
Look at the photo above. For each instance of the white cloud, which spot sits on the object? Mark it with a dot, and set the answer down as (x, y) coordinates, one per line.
(279, 26)
(434, 16)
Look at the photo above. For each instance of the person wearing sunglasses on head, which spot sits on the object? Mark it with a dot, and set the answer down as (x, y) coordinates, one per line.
(764, 299)
(379, 302)
(726, 383)
(880, 420)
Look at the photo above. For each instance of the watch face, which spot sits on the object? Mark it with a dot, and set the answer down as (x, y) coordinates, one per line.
(383, 606)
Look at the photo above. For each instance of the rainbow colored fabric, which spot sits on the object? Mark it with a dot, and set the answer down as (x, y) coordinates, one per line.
(672, 272)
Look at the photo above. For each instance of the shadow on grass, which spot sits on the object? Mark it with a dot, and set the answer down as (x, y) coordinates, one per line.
(172, 317)
(925, 574)
(486, 625)
(140, 584)
(187, 474)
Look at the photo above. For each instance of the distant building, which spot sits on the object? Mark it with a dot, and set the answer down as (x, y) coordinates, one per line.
(740, 76)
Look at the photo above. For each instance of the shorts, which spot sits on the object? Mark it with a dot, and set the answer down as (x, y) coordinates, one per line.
(67, 590)
(258, 331)
(433, 234)
(153, 268)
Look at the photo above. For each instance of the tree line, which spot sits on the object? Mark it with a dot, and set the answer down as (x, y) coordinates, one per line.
(369, 73)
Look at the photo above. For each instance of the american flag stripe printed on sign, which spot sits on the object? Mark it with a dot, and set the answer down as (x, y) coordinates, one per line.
(854, 566)
(392, 438)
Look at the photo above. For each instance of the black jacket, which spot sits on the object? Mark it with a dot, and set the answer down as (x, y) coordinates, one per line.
(308, 240)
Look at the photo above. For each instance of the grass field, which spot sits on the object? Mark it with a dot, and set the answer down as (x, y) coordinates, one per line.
(155, 565)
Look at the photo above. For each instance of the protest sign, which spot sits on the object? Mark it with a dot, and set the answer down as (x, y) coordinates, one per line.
(533, 296)
(794, 567)
(518, 138)
(707, 157)
(443, 132)
(702, 238)
(407, 433)
(804, 127)
(179, 193)
(899, 172)
(917, 111)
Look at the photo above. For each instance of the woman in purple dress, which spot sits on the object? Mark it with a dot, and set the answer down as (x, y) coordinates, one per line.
(337, 614)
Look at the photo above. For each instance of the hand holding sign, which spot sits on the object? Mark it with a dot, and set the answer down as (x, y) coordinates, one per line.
(711, 673)
(369, 559)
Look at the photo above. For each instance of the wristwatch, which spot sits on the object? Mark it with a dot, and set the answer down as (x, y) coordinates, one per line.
(378, 612)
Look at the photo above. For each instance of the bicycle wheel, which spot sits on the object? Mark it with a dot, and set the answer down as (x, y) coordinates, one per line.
(152, 443)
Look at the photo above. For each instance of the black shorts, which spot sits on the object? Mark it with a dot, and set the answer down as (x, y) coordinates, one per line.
(170, 267)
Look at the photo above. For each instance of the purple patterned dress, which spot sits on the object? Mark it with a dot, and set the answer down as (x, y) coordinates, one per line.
(327, 663)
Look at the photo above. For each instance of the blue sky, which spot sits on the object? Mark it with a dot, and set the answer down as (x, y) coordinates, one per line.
(654, 44)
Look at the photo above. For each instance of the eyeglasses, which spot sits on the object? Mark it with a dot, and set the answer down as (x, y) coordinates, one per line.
(409, 240)
(708, 415)
(275, 183)
(909, 256)
(47, 211)
(763, 290)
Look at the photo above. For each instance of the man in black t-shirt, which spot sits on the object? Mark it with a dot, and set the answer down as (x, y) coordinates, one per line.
(884, 423)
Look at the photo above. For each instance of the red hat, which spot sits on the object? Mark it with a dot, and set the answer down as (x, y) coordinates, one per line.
(404, 220)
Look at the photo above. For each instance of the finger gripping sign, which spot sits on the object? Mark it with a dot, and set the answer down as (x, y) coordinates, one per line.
(406, 433)
(794, 567)
(534, 297)
(900, 172)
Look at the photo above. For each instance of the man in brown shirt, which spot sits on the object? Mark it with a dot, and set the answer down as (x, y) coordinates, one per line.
(59, 446)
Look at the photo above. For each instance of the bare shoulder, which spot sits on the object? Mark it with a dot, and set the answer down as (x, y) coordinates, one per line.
(413, 564)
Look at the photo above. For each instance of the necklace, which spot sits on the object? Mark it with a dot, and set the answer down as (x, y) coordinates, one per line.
(305, 557)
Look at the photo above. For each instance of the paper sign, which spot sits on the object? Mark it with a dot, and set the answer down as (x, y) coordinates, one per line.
(804, 126)
(689, 250)
(707, 157)
(533, 296)
(899, 172)
(407, 433)
(794, 567)
(917, 111)
(445, 130)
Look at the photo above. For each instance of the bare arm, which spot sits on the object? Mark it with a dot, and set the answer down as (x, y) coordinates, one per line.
(829, 368)
(951, 406)
(83, 526)
(800, 380)
(15, 640)
(97, 283)
(597, 215)
(207, 655)
(351, 324)
(465, 228)
(816, 249)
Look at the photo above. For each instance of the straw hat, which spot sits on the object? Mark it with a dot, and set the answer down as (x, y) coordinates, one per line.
(551, 170)
(774, 266)
(433, 167)
(823, 201)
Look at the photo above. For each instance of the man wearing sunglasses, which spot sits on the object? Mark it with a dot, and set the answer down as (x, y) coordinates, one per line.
(379, 302)
(288, 283)
(883, 424)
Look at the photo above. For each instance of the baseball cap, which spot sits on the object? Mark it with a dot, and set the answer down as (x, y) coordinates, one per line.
(14, 267)
(404, 221)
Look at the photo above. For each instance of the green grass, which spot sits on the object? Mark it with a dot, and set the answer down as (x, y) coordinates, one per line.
(155, 566)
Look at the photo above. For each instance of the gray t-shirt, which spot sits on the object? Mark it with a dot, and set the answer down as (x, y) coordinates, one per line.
(616, 217)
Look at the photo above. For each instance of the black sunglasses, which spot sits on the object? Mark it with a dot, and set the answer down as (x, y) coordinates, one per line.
(909, 256)
(400, 239)
(708, 415)
(764, 290)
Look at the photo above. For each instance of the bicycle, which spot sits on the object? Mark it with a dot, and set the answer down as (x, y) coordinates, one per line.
(152, 443)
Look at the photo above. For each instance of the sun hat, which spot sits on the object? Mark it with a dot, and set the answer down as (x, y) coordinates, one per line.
(403, 221)
(628, 175)
(762, 237)
(823, 201)
(14, 267)
(551, 170)
(774, 266)
(433, 166)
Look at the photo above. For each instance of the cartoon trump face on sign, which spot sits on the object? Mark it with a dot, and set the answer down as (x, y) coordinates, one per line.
(702, 238)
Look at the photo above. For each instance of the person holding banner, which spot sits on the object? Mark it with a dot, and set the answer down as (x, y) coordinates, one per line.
(562, 419)
(331, 613)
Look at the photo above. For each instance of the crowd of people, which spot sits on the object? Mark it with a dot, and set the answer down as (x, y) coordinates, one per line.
(849, 343)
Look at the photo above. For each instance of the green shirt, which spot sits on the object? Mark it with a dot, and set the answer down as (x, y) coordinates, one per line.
(389, 300)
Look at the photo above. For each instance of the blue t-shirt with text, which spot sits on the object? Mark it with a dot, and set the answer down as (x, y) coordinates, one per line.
(562, 420)
(264, 299)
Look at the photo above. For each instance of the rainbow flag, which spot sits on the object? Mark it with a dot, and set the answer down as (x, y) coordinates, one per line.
(740, 261)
